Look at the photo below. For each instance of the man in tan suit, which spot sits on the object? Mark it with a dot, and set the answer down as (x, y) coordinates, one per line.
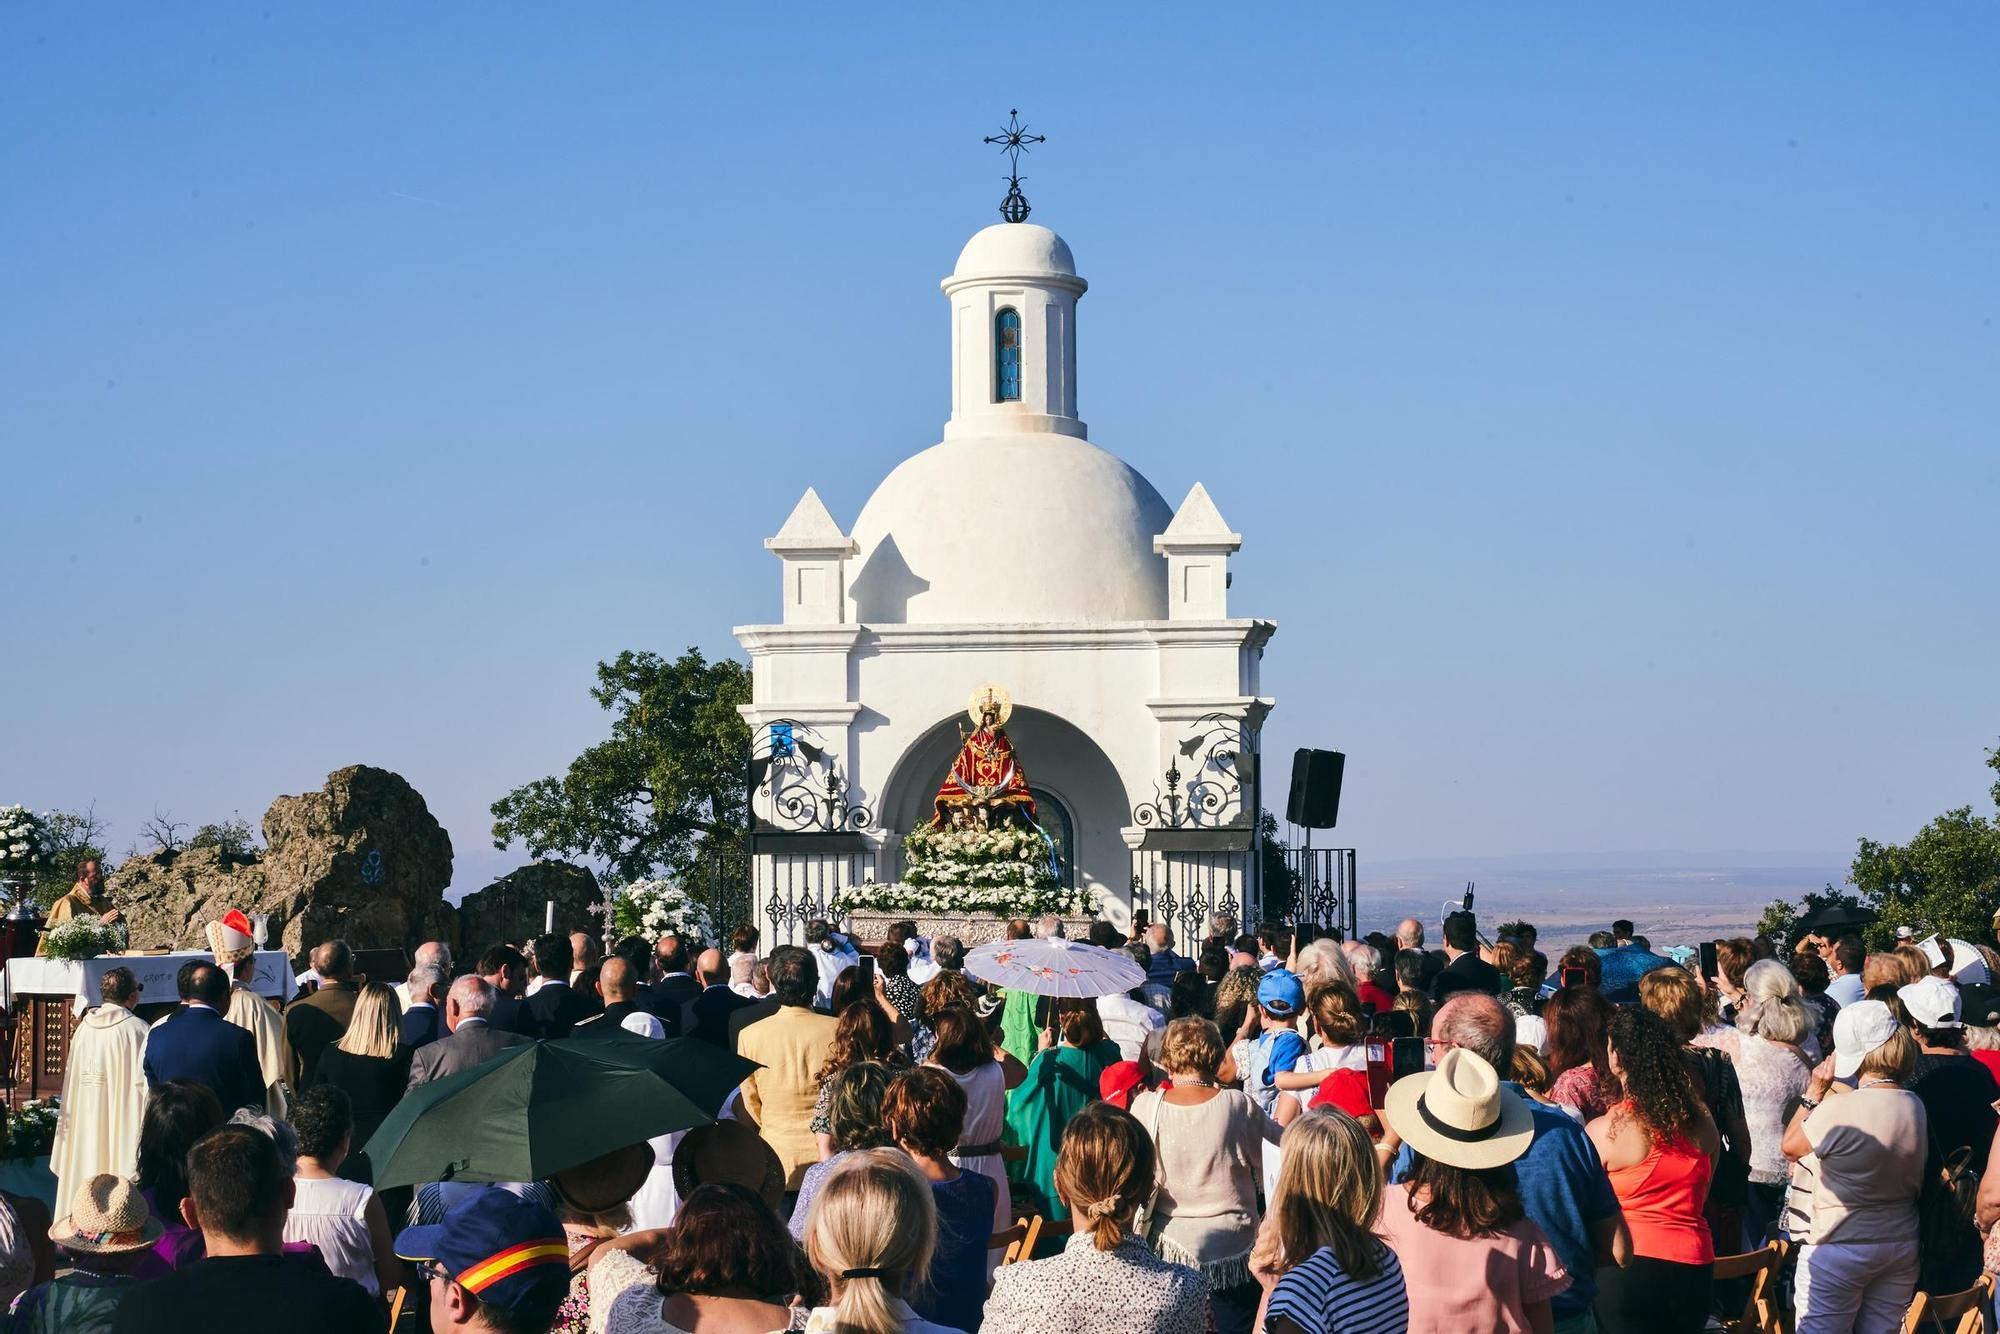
(791, 1046)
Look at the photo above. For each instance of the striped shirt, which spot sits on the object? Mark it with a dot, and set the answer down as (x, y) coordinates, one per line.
(1320, 1298)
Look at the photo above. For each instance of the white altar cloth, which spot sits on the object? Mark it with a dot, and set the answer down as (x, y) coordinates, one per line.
(156, 974)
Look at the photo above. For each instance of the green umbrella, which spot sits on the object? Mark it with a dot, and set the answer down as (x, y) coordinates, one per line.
(530, 1112)
(703, 1071)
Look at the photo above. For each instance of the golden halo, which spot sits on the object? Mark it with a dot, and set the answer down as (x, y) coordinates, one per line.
(1001, 703)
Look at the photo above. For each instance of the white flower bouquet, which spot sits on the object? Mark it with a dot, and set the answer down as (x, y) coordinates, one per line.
(82, 938)
(652, 908)
(24, 842)
(31, 1128)
(1008, 871)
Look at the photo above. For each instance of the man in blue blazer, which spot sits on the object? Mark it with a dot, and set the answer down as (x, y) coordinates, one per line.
(420, 1019)
(197, 1044)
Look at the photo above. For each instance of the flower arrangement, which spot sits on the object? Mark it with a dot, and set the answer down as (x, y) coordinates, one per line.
(652, 908)
(82, 938)
(24, 842)
(1008, 871)
(31, 1128)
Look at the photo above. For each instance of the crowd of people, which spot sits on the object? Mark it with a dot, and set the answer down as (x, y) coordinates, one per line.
(1274, 1131)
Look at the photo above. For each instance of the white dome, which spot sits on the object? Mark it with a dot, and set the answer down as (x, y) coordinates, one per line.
(1014, 250)
(1013, 529)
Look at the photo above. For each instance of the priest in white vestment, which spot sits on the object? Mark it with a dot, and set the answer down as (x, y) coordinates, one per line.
(104, 1093)
(234, 949)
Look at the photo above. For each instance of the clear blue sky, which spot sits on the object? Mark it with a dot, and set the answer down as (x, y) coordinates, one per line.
(1610, 397)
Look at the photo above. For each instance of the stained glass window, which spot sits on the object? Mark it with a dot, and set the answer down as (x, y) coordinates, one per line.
(1007, 356)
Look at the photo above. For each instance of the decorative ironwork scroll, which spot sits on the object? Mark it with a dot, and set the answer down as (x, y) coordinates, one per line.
(796, 784)
(1210, 792)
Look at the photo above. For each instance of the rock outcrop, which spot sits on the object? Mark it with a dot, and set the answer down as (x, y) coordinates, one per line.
(513, 908)
(167, 896)
(362, 859)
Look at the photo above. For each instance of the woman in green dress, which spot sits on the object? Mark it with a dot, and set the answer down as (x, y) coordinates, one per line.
(1061, 1080)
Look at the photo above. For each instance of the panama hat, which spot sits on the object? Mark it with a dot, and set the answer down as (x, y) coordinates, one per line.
(1459, 1115)
(107, 1217)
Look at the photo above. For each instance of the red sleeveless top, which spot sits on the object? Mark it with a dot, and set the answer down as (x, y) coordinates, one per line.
(1663, 1195)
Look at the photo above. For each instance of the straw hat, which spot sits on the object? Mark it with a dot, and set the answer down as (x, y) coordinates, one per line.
(729, 1151)
(1458, 1114)
(107, 1217)
(604, 1182)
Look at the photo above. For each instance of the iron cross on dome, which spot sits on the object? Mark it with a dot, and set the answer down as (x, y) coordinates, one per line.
(1013, 141)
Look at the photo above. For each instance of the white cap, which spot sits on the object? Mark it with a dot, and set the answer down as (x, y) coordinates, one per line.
(1904, 933)
(1858, 1030)
(1932, 1002)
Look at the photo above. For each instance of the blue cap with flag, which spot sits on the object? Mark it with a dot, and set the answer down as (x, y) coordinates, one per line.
(503, 1249)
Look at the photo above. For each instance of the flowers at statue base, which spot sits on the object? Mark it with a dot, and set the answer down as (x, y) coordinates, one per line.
(82, 938)
(653, 908)
(24, 842)
(1007, 871)
(31, 1128)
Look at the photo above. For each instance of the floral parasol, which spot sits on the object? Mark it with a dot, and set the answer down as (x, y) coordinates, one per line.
(1054, 968)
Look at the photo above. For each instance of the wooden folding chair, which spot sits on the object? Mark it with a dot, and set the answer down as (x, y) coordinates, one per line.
(1762, 1313)
(1968, 1309)
(1008, 1243)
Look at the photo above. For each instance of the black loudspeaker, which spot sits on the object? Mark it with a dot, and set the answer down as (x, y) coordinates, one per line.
(1315, 799)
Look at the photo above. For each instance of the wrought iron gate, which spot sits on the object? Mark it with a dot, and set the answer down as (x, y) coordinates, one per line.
(1182, 877)
(794, 878)
(1323, 889)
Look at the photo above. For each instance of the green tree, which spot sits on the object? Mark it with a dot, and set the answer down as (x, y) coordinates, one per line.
(1281, 881)
(665, 795)
(1781, 917)
(76, 837)
(1945, 879)
(232, 838)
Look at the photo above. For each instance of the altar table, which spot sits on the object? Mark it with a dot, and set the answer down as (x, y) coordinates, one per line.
(45, 997)
(80, 978)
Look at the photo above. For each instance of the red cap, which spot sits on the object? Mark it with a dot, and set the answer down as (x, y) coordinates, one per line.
(1346, 1090)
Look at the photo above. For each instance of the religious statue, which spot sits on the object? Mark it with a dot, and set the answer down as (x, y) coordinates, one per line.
(986, 786)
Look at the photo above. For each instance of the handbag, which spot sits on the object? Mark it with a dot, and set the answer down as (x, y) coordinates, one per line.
(1729, 1186)
(1947, 1229)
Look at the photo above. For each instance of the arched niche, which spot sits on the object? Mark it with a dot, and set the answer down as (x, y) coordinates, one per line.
(1062, 762)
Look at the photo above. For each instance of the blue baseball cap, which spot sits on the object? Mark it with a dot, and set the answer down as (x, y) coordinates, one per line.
(502, 1249)
(1281, 992)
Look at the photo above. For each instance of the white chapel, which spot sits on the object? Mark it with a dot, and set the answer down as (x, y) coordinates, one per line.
(1136, 695)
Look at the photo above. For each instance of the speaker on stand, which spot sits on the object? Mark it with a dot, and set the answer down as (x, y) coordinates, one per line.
(1314, 803)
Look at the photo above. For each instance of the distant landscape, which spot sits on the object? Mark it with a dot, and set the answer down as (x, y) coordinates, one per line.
(1674, 898)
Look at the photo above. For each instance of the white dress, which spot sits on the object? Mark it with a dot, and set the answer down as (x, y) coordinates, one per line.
(331, 1214)
(985, 1119)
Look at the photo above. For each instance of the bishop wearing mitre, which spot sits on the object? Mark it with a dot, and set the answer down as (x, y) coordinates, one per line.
(236, 950)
